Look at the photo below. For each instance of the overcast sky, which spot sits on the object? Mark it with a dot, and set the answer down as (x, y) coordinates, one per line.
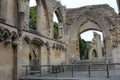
(79, 3)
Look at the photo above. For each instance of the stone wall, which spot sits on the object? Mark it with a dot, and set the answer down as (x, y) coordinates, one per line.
(97, 46)
(15, 30)
(6, 62)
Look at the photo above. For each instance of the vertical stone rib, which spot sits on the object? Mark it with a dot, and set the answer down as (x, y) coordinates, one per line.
(118, 4)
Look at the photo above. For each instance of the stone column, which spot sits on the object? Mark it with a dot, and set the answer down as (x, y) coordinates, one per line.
(19, 59)
(60, 29)
(118, 4)
(51, 26)
(3, 10)
(41, 22)
(26, 17)
(48, 58)
(108, 49)
(24, 14)
(0, 7)
(15, 62)
(17, 45)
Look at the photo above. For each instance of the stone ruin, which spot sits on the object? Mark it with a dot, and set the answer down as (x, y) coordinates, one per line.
(20, 45)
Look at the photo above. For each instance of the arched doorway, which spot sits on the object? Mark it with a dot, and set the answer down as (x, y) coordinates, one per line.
(89, 20)
(33, 60)
(94, 54)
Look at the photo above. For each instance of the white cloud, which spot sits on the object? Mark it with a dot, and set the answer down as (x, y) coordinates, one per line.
(80, 3)
(32, 2)
(88, 35)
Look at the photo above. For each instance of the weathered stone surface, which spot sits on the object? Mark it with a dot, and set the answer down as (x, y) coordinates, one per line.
(95, 53)
(40, 45)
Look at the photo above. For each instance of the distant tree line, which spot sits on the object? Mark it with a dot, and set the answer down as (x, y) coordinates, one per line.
(84, 47)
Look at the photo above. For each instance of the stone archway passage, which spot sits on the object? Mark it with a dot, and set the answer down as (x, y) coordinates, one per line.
(83, 19)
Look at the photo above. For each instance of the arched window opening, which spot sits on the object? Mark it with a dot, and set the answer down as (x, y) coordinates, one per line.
(94, 54)
(89, 40)
(55, 27)
(33, 14)
(58, 24)
(33, 61)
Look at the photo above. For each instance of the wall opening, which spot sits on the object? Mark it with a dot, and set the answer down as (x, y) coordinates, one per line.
(94, 53)
(55, 26)
(88, 42)
(33, 15)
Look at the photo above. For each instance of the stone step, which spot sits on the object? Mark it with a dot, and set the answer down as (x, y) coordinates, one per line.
(50, 78)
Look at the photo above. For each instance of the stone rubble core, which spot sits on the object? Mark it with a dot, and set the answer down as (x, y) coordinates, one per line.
(20, 45)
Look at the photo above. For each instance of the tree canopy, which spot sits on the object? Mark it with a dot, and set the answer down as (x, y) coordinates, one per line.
(32, 18)
(55, 30)
(83, 47)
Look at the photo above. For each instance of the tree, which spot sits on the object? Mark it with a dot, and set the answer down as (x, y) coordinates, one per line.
(83, 47)
(55, 30)
(32, 20)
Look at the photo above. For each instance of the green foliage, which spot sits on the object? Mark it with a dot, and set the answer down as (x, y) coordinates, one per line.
(56, 31)
(32, 20)
(83, 47)
(103, 51)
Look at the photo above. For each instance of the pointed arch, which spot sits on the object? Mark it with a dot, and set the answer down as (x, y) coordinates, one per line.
(14, 35)
(94, 17)
(6, 31)
(37, 41)
(27, 39)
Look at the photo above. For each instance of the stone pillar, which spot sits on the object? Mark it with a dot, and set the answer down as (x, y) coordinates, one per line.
(15, 62)
(48, 58)
(51, 26)
(26, 17)
(118, 4)
(0, 7)
(60, 29)
(24, 13)
(17, 45)
(108, 49)
(3, 10)
(19, 59)
(41, 22)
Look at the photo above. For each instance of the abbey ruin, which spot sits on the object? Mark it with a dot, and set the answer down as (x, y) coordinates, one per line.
(20, 45)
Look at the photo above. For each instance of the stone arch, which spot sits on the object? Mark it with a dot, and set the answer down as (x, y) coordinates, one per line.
(33, 57)
(5, 34)
(25, 50)
(35, 53)
(58, 13)
(59, 10)
(95, 17)
(27, 39)
(60, 16)
(14, 36)
(37, 41)
(93, 54)
(33, 60)
(102, 25)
